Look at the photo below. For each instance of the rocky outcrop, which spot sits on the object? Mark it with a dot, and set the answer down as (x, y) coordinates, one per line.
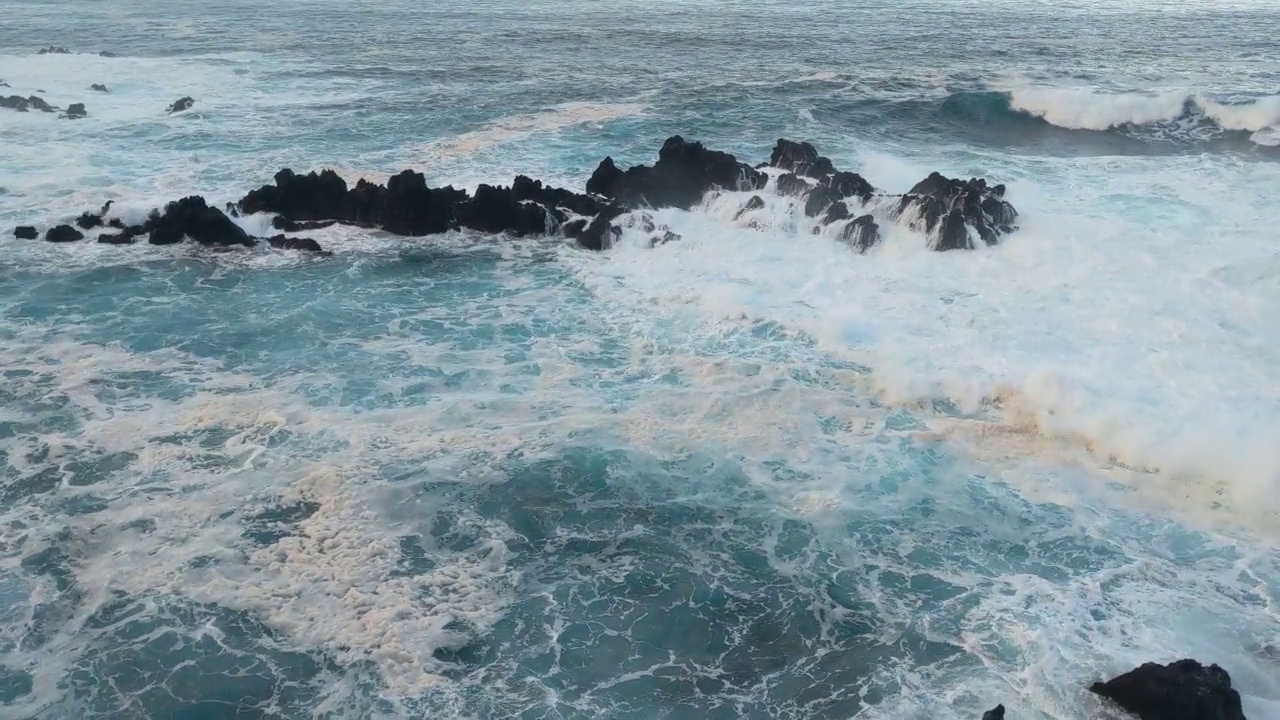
(98, 87)
(36, 103)
(948, 211)
(1183, 690)
(684, 174)
(76, 111)
(53, 50)
(996, 713)
(62, 234)
(26, 232)
(180, 105)
(951, 212)
(21, 104)
(192, 218)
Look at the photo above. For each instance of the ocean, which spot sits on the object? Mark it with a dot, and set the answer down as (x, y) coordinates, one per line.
(748, 474)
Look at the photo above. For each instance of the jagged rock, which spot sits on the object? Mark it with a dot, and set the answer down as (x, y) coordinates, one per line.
(947, 209)
(76, 111)
(99, 88)
(755, 203)
(850, 184)
(684, 174)
(116, 223)
(837, 212)
(281, 242)
(800, 158)
(13, 102)
(525, 188)
(996, 713)
(1183, 690)
(601, 233)
(574, 228)
(820, 198)
(314, 196)
(181, 105)
(192, 217)
(36, 103)
(495, 210)
(26, 232)
(862, 233)
(62, 234)
(790, 185)
(411, 208)
(89, 221)
(52, 50)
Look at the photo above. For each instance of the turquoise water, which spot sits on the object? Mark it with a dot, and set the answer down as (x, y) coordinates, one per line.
(750, 474)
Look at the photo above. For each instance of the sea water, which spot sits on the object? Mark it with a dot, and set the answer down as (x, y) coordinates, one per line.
(749, 474)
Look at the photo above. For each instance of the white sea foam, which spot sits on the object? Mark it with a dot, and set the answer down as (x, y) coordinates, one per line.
(1093, 323)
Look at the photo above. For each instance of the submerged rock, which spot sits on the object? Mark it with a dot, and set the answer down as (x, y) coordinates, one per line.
(89, 221)
(53, 50)
(996, 713)
(181, 105)
(947, 209)
(26, 232)
(99, 88)
(288, 225)
(1183, 690)
(820, 198)
(121, 238)
(684, 174)
(282, 242)
(63, 233)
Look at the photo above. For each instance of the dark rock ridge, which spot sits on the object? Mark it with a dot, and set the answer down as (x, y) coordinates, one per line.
(1183, 690)
(684, 174)
(63, 233)
(53, 50)
(180, 105)
(21, 104)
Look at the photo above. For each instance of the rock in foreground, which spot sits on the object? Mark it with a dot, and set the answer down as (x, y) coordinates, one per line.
(1184, 690)
(26, 232)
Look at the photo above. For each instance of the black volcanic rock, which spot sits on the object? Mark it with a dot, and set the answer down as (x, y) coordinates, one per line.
(26, 232)
(36, 103)
(525, 188)
(76, 111)
(121, 238)
(180, 105)
(192, 217)
(861, 233)
(496, 210)
(836, 212)
(287, 225)
(281, 242)
(89, 221)
(314, 196)
(947, 209)
(684, 174)
(849, 184)
(62, 234)
(1183, 690)
(98, 87)
(790, 185)
(411, 208)
(53, 50)
(996, 713)
(601, 233)
(800, 158)
(13, 102)
(820, 198)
